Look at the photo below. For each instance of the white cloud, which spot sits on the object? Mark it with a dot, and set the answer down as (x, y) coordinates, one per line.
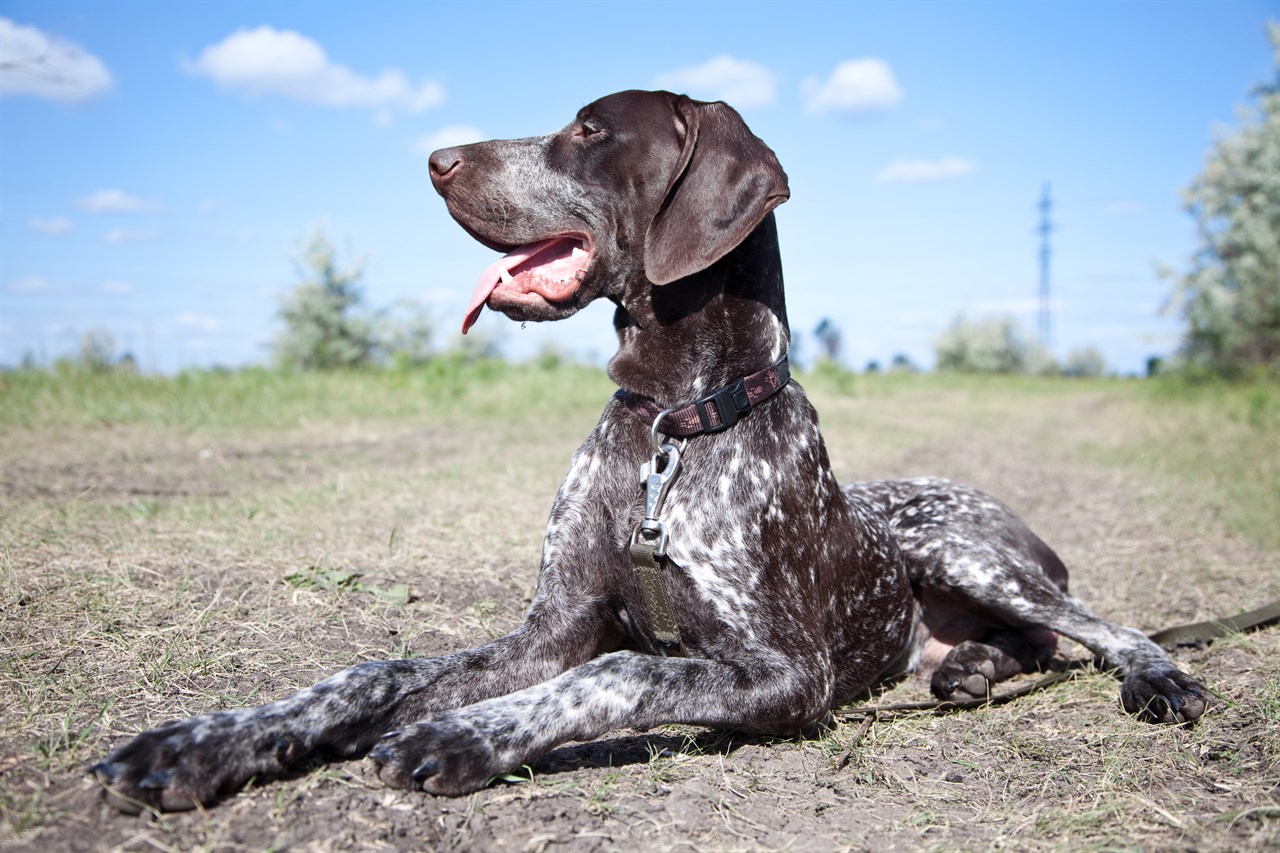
(55, 227)
(856, 86)
(114, 201)
(739, 82)
(446, 137)
(32, 284)
(116, 236)
(267, 61)
(202, 322)
(912, 171)
(118, 288)
(46, 66)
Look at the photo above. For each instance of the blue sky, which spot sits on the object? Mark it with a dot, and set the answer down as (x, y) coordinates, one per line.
(162, 167)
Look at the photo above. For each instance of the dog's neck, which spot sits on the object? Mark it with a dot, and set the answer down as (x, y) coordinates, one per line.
(680, 341)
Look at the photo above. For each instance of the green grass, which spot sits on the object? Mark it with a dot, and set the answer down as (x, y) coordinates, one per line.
(1221, 439)
(257, 398)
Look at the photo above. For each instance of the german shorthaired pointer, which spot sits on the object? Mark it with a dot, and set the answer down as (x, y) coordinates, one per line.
(730, 583)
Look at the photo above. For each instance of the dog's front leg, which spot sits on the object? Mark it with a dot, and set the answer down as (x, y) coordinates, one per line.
(457, 751)
(188, 762)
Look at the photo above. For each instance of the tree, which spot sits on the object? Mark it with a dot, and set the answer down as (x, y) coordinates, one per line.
(1230, 296)
(829, 338)
(324, 326)
(97, 351)
(987, 345)
(405, 335)
(1085, 363)
(902, 363)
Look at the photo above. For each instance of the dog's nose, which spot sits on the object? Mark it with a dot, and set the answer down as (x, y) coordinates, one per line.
(445, 164)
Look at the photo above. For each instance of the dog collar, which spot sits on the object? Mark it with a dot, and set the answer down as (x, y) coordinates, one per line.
(715, 412)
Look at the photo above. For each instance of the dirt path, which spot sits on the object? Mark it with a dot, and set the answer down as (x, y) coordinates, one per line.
(147, 577)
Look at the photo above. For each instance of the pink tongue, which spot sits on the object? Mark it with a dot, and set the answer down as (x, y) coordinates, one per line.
(491, 277)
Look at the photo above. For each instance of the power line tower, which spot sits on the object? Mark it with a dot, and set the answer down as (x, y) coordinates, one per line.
(1046, 203)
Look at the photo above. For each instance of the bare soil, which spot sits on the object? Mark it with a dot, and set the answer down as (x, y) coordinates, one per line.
(149, 576)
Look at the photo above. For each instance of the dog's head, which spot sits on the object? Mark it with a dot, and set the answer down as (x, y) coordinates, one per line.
(641, 187)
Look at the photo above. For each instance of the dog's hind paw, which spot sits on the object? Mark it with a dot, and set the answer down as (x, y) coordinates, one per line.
(959, 682)
(1164, 695)
(969, 670)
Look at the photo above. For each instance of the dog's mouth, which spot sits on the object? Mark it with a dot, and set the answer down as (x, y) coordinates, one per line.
(546, 271)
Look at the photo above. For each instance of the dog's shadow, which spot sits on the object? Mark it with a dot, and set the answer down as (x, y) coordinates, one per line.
(629, 750)
(616, 752)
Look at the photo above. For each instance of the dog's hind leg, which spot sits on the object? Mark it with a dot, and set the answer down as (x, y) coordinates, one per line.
(1153, 689)
(978, 567)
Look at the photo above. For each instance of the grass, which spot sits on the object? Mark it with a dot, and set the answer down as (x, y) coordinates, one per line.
(1218, 438)
(1221, 437)
(174, 545)
(445, 389)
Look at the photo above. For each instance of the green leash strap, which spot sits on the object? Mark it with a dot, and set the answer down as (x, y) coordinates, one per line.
(649, 568)
(1202, 632)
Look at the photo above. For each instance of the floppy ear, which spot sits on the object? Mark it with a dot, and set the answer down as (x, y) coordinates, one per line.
(726, 182)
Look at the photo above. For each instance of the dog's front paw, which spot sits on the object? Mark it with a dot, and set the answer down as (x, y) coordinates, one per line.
(189, 763)
(445, 755)
(1163, 695)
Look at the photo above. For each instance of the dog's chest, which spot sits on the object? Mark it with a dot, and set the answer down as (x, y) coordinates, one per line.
(745, 515)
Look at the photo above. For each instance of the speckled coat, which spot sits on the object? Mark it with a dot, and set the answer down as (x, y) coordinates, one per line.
(792, 594)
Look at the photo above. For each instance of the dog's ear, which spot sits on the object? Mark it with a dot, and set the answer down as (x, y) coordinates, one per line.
(726, 182)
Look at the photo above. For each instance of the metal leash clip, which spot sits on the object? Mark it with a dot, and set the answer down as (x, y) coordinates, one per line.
(656, 476)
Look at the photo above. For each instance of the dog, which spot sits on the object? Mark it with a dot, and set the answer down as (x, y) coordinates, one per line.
(701, 565)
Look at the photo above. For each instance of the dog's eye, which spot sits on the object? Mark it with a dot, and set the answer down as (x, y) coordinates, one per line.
(589, 128)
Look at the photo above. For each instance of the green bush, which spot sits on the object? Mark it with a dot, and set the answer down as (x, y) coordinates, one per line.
(1230, 296)
(990, 345)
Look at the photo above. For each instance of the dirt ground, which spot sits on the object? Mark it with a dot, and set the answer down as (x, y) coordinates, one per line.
(147, 577)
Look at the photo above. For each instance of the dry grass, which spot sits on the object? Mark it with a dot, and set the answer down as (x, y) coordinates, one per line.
(175, 556)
